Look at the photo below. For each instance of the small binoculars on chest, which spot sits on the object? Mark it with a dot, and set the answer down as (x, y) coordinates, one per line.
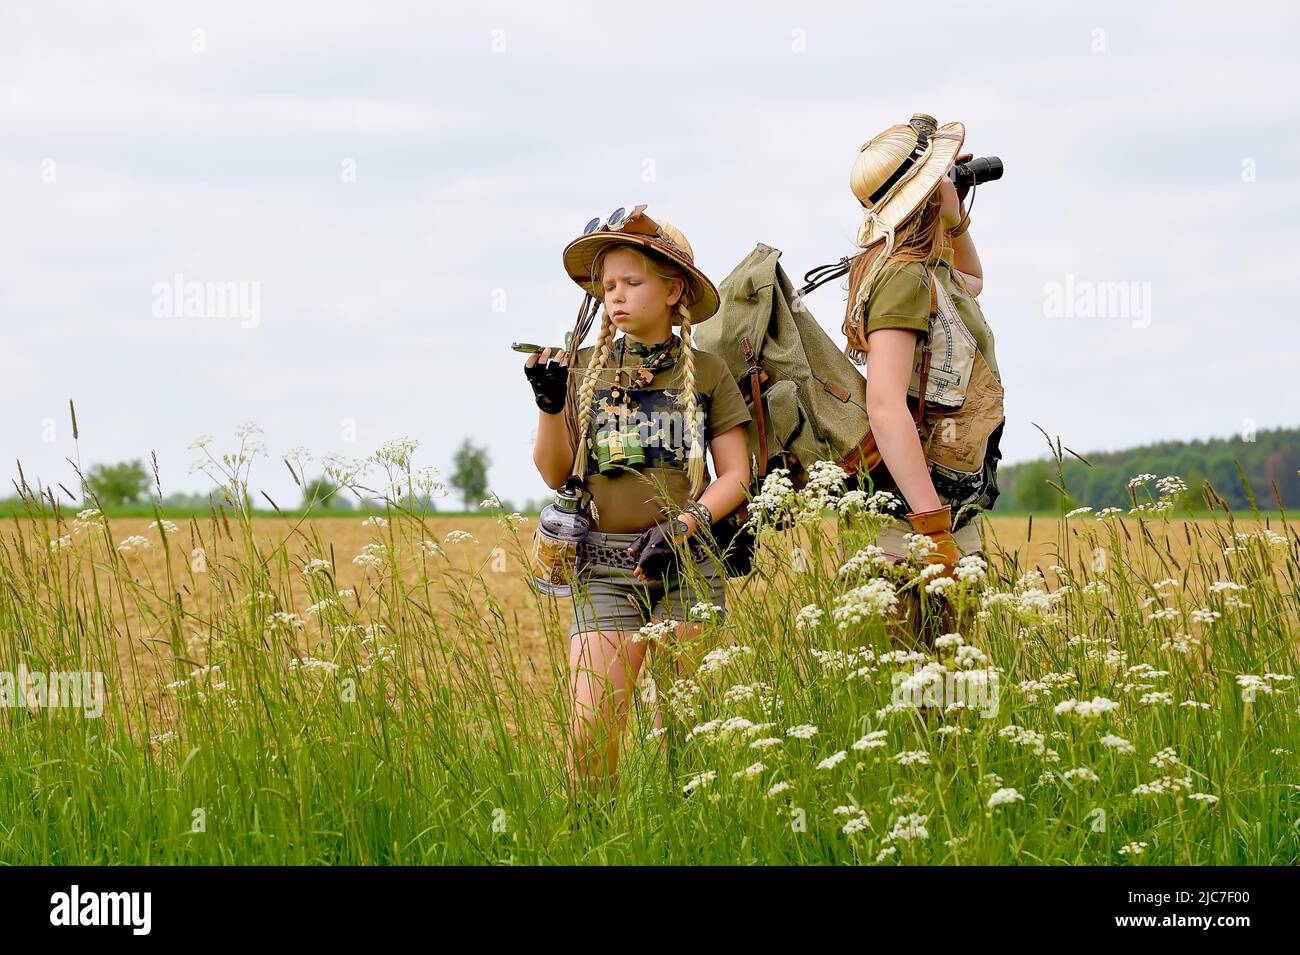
(619, 448)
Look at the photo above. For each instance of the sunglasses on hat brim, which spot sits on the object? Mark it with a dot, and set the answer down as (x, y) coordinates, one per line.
(635, 222)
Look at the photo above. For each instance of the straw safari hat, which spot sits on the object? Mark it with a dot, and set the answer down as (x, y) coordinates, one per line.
(897, 169)
(655, 236)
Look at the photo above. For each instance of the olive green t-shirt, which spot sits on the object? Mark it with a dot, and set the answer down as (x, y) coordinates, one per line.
(900, 298)
(632, 498)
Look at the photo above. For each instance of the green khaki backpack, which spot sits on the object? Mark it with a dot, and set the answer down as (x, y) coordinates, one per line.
(813, 399)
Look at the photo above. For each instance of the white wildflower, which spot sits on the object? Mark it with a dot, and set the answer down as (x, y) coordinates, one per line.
(1004, 797)
(830, 762)
(704, 611)
(876, 598)
(699, 780)
(1081, 772)
(912, 757)
(808, 617)
(866, 560)
(1117, 743)
(873, 740)
(655, 631)
(909, 827)
(1087, 709)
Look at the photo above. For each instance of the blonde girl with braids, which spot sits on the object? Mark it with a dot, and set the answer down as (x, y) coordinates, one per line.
(633, 417)
(916, 235)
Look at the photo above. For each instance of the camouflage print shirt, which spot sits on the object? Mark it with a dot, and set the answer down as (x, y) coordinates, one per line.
(633, 497)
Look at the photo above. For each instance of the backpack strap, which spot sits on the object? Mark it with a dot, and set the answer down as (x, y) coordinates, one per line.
(756, 393)
(925, 351)
(819, 275)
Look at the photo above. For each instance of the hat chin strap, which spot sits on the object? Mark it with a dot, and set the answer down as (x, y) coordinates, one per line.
(914, 163)
(914, 158)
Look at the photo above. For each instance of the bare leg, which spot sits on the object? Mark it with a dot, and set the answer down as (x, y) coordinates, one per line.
(676, 661)
(603, 666)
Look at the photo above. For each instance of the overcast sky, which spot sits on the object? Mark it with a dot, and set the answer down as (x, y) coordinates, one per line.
(395, 182)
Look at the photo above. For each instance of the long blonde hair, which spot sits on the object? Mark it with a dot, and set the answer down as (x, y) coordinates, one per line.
(667, 271)
(918, 238)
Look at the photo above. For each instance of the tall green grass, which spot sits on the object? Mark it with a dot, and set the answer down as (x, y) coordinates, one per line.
(402, 723)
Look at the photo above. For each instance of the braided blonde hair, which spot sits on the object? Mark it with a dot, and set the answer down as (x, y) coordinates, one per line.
(587, 394)
(695, 458)
(666, 271)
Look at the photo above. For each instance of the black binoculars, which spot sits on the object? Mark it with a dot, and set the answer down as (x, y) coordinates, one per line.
(984, 169)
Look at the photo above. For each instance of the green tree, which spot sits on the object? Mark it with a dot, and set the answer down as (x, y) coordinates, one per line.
(1033, 493)
(323, 494)
(1194, 499)
(119, 484)
(469, 472)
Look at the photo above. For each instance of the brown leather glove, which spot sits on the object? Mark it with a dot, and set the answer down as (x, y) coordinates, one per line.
(937, 525)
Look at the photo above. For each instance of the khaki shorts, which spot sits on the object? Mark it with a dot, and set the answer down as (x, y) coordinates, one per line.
(892, 538)
(610, 598)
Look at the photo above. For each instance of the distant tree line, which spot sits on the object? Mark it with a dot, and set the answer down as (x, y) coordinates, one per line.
(1272, 456)
(127, 484)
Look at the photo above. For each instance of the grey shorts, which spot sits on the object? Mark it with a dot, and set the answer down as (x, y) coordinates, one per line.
(606, 597)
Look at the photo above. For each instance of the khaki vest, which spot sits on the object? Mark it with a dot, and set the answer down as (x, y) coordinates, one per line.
(955, 399)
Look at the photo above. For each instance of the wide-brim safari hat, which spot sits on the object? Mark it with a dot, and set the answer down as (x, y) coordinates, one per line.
(656, 237)
(896, 169)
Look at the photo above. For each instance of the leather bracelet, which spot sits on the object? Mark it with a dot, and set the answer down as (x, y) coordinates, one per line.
(960, 228)
(700, 511)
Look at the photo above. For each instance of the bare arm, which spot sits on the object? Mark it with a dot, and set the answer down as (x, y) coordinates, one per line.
(730, 453)
(965, 259)
(889, 370)
(553, 451)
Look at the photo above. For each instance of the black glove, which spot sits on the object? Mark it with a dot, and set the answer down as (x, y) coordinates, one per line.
(962, 190)
(656, 557)
(549, 376)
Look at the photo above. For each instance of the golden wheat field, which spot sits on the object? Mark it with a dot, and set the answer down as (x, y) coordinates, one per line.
(489, 554)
